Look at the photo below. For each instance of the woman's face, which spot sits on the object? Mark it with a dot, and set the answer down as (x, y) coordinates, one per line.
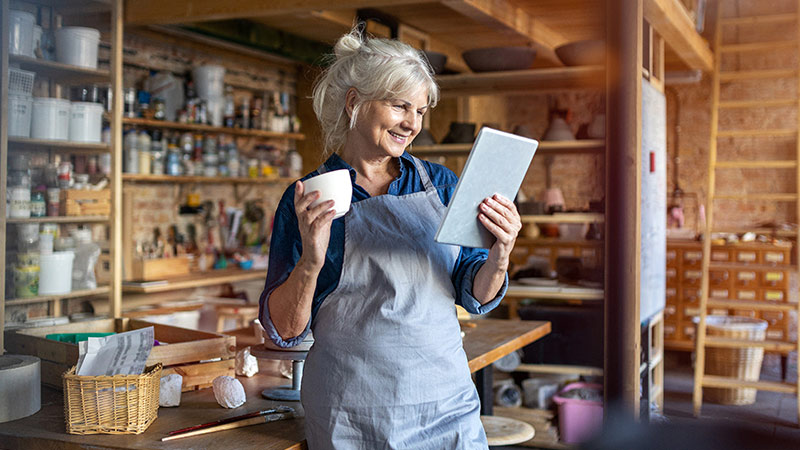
(389, 126)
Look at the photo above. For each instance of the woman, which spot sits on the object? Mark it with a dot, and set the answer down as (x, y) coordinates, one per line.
(387, 368)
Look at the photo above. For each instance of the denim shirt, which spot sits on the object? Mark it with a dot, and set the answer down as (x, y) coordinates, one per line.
(286, 244)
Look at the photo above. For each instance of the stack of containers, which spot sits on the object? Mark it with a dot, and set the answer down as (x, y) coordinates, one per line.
(78, 46)
(209, 80)
(20, 32)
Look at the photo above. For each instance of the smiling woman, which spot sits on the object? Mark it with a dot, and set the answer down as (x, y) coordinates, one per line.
(387, 368)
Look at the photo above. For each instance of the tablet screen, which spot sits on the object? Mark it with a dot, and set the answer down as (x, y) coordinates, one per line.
(497, 164)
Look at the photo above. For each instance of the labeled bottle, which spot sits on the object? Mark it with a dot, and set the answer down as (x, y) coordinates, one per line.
(229, 112)
(130, 146)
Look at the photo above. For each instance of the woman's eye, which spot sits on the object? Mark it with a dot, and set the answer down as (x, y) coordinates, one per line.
(400, 107)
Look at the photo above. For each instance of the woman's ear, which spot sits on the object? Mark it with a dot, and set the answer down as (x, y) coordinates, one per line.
(350, 100)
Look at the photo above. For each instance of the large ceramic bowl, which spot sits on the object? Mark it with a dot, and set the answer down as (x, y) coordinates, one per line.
(436, 60)
(590, 52)
(494, 59)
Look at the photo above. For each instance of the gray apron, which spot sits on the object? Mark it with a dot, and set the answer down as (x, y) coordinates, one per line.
(387, 369)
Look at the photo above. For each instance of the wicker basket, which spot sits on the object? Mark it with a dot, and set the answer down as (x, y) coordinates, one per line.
(119, 404)
(742, 363)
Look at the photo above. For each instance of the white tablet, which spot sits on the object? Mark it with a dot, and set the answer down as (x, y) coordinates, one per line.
(497, 164)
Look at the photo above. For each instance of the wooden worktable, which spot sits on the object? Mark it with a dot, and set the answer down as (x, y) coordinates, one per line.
(485, 342)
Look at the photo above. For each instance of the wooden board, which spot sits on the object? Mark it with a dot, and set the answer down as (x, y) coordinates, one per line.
(201, 279)
(201, 375)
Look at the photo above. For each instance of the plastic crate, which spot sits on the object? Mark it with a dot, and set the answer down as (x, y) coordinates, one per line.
(20, 81)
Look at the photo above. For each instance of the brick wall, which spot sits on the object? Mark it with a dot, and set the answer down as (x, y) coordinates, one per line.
(689, 109)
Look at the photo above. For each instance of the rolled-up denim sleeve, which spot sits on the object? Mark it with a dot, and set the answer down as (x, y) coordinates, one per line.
(470, 260)
(284, 252)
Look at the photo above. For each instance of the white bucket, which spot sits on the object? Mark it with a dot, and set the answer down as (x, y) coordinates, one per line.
(50, 118)
(55, 273)
(216, 107)
(86, 122)
(209, 81)
(20, 32)
(19, 115)
(77, 46)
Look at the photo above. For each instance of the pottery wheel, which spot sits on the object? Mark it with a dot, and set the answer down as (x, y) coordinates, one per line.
(288, 393)
(505, 431)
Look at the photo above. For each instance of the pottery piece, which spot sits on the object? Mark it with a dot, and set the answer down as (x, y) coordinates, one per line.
(558, 130)
(436, 60)
(553, 200)
(524, 131)
(335, 185)
(597, 128)
(590, 52)
(494, 59)
(460, 133)
(424, 137)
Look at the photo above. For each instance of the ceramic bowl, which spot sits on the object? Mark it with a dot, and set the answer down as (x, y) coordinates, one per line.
(590, 52)
(494, 59)
(436, 60)
(424, 138)
(336, 186)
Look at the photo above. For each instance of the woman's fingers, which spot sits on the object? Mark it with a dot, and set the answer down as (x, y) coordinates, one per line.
(502, 214)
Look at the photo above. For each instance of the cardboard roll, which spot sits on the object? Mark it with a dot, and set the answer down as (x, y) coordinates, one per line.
(20, 386)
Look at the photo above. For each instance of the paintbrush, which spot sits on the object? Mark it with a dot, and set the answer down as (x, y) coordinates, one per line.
(203, 426)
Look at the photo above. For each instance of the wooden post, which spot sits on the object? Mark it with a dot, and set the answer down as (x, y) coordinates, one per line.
(115, 291)
(623, 209)
(3, 165)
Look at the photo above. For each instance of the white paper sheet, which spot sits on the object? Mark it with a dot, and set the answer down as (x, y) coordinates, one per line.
(117, 354)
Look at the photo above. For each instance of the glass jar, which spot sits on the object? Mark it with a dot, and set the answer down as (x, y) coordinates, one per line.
(38, 204)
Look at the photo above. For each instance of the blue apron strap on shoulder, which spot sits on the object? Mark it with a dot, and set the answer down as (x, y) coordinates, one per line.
(322, 169)
(423, 174)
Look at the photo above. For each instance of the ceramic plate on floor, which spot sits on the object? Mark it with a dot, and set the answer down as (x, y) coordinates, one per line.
(538, 281)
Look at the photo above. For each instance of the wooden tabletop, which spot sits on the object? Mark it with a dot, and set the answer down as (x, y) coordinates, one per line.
(485, 341)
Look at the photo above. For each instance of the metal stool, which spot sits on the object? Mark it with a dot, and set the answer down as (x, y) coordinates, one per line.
(287, 392)
(505, 431)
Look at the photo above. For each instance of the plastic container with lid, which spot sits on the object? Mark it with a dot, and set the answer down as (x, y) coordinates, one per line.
(50, 119)
(86, 122)
(20, 32)
(77, 46)
(55, 273)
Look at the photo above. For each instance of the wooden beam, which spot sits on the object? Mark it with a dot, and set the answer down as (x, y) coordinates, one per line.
(3, 165)
(623, 207)
(670, 19)
(506, 16)
(149, 12)
(117, 27)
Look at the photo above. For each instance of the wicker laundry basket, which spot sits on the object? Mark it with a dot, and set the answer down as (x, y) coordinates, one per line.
(742, 363)
(119, 404)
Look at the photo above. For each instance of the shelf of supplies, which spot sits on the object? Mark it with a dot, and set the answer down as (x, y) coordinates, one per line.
(60, 72)
(578, 146)
(48, 298)
(210, 129)
(142, 178)
(195, 280)
(28, 144)
(557, 241)
(564, 218)
(517, 81)
(60, 219)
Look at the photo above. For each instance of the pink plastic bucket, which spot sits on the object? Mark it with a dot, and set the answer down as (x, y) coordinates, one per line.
(578, 419)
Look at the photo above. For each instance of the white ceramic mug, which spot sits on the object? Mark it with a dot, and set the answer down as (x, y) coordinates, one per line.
(334, 186)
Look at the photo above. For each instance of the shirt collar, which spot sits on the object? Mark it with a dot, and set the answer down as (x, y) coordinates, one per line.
(335, 162)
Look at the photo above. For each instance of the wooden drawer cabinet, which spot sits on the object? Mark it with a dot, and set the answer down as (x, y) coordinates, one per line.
(751, 272)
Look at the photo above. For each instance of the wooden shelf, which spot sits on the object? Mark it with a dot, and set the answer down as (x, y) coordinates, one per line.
(559, 292)
(28, 144)
(210, 129)
(142, 178)
(564, 218)
(558, 241)
(60, 72)
(60, 219)
(48, 298)
(519, 81)
(578, 146)
(200, 279)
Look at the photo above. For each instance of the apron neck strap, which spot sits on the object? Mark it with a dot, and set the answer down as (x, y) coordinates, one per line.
(423, 174)
(322, 169)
